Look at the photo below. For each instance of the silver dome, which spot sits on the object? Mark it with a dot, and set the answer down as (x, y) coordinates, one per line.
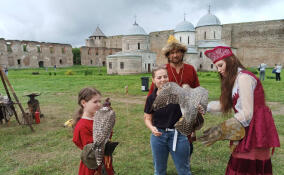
(184, 26)
(208, 20)
(136, 30)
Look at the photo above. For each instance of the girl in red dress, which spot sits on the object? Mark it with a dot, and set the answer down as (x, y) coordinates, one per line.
(251, 129)
(89, 100)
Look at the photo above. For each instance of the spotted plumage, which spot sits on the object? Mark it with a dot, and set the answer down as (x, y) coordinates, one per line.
(104, 121)
(188, 99)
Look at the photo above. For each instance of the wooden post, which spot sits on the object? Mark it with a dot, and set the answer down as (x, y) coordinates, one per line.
(9, 97)
(3, 76)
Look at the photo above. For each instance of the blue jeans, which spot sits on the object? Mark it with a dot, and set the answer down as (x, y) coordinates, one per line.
(261, 75)
(163, 145)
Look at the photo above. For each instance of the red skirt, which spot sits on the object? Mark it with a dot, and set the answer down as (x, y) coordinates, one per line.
(255, 162)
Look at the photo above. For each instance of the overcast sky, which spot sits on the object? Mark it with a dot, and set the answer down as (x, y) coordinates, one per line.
(72, 21)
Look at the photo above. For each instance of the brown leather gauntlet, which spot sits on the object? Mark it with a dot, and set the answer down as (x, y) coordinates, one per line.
(230, 129)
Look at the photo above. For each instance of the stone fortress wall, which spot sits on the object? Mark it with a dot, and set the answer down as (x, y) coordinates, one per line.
(26, 54)
(255, 42)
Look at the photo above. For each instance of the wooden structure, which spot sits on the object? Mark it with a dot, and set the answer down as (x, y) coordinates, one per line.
(6, 82)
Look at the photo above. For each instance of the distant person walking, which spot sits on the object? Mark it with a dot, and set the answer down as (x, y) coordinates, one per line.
(278, 68)
(6, 70)
(262, 67)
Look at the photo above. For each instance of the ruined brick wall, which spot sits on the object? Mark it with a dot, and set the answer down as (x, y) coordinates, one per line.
(256, 42)
(26, 54)
(96, 56)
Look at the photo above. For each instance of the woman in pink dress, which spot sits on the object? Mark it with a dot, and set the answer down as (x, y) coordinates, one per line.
(251, 130)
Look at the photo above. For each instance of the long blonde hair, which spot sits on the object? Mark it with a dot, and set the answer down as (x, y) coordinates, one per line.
(85, 94)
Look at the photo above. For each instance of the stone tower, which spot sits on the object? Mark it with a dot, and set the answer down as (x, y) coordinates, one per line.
(97, 39)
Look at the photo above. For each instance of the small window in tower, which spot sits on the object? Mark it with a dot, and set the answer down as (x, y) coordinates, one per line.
(138, 46)
(25, 47)
(91, 61)
(97, 53)
(19, 62)
(187, 40)
(200, 55)
(214, 35)
(204, 35)
(110, 65)
(211, 66)
(180, 39)
(121, 65)
(200, 66)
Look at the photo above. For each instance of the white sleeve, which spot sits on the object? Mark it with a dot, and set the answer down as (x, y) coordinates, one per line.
(214, 106)
(246, 91)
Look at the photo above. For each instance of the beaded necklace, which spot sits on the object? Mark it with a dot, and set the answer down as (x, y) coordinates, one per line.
(179, 83)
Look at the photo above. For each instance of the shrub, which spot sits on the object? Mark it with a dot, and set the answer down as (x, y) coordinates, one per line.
(69, 72)
(88, 72)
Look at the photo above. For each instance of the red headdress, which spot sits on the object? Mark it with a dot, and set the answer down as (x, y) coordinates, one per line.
(219, 53)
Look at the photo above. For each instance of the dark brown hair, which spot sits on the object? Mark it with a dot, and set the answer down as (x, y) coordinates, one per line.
(227, 82)
(85, 94)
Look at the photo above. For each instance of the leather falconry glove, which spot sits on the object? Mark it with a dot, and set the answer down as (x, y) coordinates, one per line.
(230, 129)
(109, 148)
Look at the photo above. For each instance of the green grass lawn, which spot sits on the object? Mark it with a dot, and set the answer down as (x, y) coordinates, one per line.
(50, 150)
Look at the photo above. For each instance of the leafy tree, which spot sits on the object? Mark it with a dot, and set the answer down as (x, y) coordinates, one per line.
(76, 56)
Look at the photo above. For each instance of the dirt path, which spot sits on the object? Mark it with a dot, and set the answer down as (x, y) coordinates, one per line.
(277, 108)
(130, 99)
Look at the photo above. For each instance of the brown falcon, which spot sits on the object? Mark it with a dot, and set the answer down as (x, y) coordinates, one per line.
(104, 121)
(189, 99)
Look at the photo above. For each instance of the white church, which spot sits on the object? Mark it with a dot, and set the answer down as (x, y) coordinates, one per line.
(136, 55)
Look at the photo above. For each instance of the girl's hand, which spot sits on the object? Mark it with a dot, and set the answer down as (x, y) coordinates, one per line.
(155, 131)
(201, 109)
